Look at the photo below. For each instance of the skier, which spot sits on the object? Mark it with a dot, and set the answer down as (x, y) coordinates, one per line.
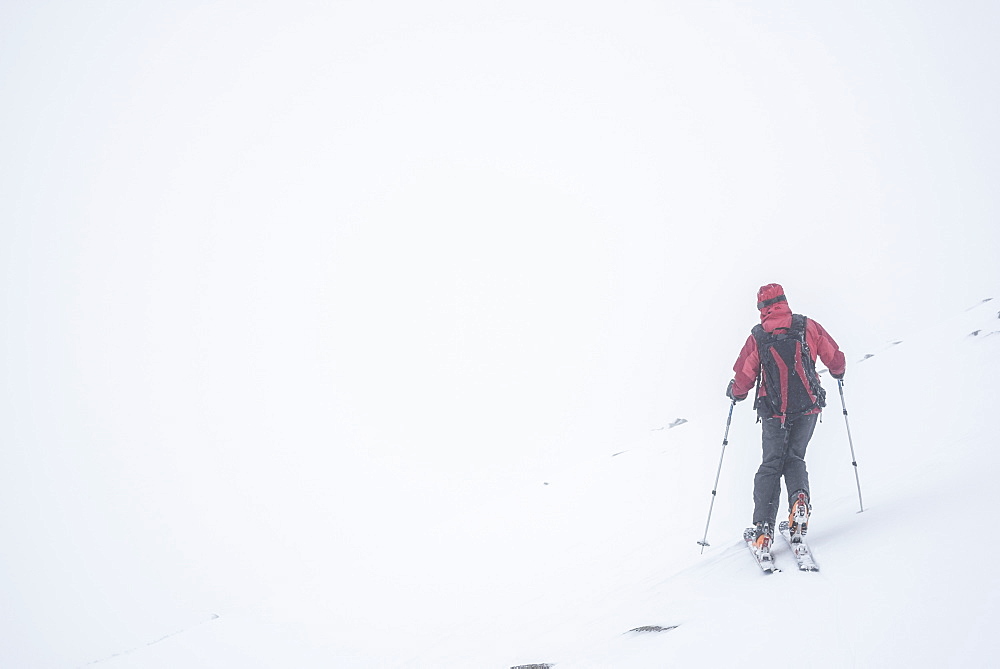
(779, 357)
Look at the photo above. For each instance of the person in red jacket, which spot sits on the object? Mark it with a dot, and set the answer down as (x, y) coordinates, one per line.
(785, 433)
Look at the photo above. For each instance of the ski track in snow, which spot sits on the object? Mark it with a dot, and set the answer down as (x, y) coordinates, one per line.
(151, 643)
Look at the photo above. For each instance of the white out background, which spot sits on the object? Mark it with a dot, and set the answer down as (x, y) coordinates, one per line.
(280, 280)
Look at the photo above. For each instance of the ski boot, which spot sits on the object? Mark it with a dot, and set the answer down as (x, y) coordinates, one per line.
(798, 516)
(763, 536)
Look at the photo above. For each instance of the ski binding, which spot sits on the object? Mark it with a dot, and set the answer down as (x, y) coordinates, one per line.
(800, 549)
(764, 560)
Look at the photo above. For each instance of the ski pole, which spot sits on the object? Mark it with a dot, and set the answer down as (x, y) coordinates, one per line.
(725, 442)
(854, 460)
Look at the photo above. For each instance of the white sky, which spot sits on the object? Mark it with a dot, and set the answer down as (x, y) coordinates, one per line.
(260, 253)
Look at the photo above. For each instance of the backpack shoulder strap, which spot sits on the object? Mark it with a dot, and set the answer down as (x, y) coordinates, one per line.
(798, 324)
(762, 337)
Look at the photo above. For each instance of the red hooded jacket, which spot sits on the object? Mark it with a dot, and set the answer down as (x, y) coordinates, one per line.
(779, 315)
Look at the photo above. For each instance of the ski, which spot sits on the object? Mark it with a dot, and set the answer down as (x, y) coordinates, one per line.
(800, 549)
(765, 561)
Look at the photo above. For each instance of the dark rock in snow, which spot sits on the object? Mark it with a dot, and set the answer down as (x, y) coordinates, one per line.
(653, 628)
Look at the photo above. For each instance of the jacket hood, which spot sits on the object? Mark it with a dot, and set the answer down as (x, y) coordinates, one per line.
(773, 306)
(777, 315)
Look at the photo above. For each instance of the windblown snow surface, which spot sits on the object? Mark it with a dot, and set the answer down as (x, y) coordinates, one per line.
(598, 564)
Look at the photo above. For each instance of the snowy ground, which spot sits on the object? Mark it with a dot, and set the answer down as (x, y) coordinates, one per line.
(899, 585)
(558, 571)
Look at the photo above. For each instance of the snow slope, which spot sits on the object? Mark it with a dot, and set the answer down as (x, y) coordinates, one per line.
(906, 583)
(562, 571)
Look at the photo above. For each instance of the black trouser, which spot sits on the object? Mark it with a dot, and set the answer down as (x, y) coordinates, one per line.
(784, 452)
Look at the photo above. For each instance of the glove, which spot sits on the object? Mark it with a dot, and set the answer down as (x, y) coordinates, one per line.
(837, 376)
(730, 395)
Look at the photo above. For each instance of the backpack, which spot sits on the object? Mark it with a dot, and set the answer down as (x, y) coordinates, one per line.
(793, 386)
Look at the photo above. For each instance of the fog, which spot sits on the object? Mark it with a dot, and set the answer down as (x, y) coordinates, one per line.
(286, 272)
